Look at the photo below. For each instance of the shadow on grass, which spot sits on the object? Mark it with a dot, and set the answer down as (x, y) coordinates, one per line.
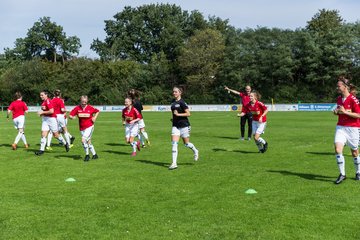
(116, 144)
(239, 151)
(322, 153)
(162, 164)
(246, 152)
(307, 176)
(227, 137)
(118, 152)
(74, 157)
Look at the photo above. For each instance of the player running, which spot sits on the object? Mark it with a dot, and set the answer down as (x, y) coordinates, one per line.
(131, 118)
(347, 128)
(87, 116)
(180, 126)
(259, 111)
(18, 109)
(49, 123)
(143, 136)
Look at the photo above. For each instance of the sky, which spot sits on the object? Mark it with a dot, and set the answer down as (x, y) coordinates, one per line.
(85, 18)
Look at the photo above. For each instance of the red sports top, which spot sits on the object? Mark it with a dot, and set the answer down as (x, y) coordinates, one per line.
(130, 115)
(85, 115)
(245, 98)
(46, 106)
(58, 104)
(18, 108)
(351, 104)
(256, 109)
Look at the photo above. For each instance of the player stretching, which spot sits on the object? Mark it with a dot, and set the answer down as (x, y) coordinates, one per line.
(347, 128)
(87, 115)
(259, 111)
(49, 123)
(18, 109)
(137, 104)
(180, 126)
(131, 118)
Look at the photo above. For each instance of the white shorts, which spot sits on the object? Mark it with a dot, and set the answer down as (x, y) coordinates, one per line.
(182, 132)
(87, 133)
(141, 124)
(258, 127)
(61, 120)
(49, 123)
(131, 130)
(19, 122)
(347, 135)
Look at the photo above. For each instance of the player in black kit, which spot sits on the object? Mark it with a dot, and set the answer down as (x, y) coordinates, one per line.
(180, 126)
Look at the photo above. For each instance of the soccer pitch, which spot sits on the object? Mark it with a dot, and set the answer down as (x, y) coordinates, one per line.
(124, 197)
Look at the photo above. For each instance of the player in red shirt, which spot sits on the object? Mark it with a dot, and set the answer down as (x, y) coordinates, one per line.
(347, 128)
(18, 109)
(60, 111)
(259, 111)
(142, 135)
(49, 123)
(87, 116)
(245, 99)
(131, 118)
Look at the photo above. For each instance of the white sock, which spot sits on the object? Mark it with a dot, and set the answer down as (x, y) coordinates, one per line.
(139, 136)
(86, 147)
(18, 136)
(92, 149)
(42, 143)
(133, 145)
(261, 140)
(341, 163)
(146, 136)
(174, 152)
(191, 146)
(67, 137)
(49, 137)
(23, 138)
(61, 139)
(357, 164)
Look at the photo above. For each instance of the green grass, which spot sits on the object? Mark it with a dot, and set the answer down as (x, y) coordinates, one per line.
(119, 197)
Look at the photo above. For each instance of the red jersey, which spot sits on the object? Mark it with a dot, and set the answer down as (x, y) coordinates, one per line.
(46, 106)
(245, 98)
(256, 109)
(18, 108)
(58, 104)
(351, 104)
(130, 115)
(85, 115)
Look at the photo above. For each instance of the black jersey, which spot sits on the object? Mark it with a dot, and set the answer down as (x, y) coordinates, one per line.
(137, 104)
(180, 106)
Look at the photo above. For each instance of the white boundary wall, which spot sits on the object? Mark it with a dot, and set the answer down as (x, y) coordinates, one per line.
(210, 108)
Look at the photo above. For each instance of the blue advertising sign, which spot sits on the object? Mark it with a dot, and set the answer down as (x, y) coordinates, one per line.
(316, 107)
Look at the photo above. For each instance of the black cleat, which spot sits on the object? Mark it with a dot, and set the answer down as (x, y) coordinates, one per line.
(265, 147)
(67, 147)
(95, 156)
(357, 176)
(87, 158)
(39, 153)
(72, 139)
(340, 179)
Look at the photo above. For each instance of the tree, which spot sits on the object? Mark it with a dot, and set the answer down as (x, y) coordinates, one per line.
(200, 60)
(333, 42)
(45, 40)
(139, 33)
